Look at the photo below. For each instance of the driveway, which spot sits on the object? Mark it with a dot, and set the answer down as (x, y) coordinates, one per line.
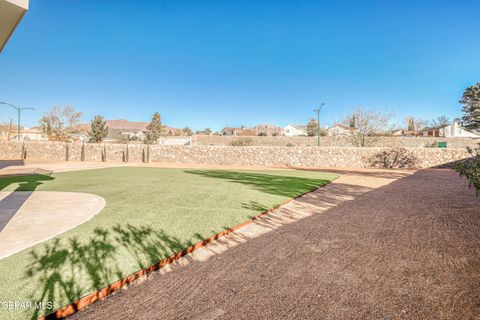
(375, 244)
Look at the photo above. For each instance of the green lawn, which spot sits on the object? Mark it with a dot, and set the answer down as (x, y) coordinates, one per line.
(150, 213)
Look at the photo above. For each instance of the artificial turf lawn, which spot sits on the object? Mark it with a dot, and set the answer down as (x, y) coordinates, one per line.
(150, 213)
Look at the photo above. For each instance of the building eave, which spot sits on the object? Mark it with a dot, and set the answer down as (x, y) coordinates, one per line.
(11, 13)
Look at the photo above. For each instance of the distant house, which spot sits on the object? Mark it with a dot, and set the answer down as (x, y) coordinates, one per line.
(294, 130)
(241, 132)
(453, 130)
(26, 134)
(268, 130)
(403, 133)
(340, 130)
(169, 131)
(122, 129)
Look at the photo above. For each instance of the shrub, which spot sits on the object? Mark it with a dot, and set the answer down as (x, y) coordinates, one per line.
(431, 145)
(241, 142)
(394, 158)
(470, 169)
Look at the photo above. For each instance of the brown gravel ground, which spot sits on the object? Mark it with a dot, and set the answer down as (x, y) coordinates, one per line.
(408, 249)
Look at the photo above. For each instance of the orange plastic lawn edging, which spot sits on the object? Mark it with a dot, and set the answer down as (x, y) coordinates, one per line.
(89, 299)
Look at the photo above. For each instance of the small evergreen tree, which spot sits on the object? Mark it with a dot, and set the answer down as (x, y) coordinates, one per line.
(154, 129)
(99, 129)
(312, 127)
(471, 106)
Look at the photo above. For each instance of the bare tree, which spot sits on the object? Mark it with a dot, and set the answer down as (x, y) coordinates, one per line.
(59, 123)
(367, 126)
(7, 128)
(442, 120)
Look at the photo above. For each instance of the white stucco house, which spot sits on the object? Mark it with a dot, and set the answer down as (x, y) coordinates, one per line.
(453, 130)
(11, 12)
(26, 134)
(340, 130)
(295, 130)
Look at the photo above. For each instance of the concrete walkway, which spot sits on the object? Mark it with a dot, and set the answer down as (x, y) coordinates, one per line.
(28, 218)
(371, 245)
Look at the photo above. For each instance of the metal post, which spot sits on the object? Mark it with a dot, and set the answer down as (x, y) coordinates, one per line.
(19, 109)
(318, 122)
(18, 124)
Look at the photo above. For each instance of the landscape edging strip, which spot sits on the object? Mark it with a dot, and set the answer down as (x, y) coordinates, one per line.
(91, 298)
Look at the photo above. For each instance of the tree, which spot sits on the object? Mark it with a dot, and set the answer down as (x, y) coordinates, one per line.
(442, 120)
(471, 107)
(154, 129)
(187, 131)
(59, 123)
(415, 124)
(7, 128)
(99, 129)
(351, 121)
(312, 127)
(206, 131)
(367, 126)
(410, 124)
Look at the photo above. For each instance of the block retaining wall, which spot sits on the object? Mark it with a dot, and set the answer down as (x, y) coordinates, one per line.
(276, 156)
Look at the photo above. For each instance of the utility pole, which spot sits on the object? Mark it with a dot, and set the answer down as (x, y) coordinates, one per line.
(318, 122)
(19, 110)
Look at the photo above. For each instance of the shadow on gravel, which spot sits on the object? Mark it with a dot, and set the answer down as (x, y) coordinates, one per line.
(390, 174)
(405, 249)
(273, 184)
(65, 270)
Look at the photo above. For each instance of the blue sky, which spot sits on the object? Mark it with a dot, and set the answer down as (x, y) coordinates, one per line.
(218, 63)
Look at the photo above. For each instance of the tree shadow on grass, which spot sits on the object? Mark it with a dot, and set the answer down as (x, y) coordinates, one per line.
(63, 271)
(269, 183)
(25, 182)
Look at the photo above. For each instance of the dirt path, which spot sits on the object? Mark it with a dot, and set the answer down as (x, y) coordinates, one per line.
(373, 249)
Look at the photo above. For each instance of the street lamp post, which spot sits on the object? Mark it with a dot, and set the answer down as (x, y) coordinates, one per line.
(19, 110)
(318, 122)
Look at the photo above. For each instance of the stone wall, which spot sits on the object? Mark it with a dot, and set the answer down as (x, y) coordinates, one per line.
(405, 142)
(275, 156)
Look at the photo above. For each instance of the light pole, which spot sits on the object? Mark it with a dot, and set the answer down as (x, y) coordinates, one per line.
(19, 110)
(318, 122)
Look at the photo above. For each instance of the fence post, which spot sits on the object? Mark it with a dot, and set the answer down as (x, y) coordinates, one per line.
(67, 152)
(104, 153)
(82, 152)
(24, 151)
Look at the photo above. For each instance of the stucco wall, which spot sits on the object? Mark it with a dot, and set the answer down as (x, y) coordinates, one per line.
(252, 155)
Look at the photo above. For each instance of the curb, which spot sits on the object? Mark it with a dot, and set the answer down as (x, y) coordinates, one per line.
(91, 298)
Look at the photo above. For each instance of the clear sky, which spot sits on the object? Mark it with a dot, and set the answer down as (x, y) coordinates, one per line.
(218, 63)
